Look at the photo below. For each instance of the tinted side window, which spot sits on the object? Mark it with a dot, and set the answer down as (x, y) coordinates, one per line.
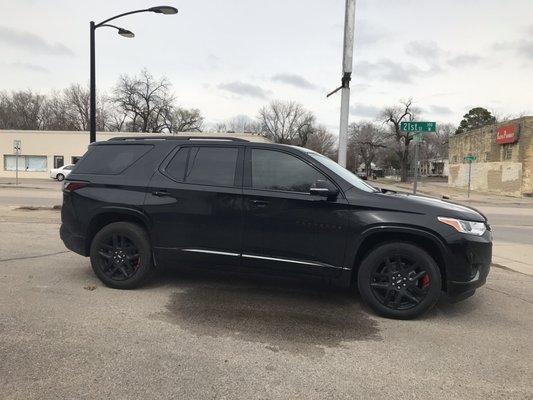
(110, 159)
(274, 170)
(176, 167)
(212, 166)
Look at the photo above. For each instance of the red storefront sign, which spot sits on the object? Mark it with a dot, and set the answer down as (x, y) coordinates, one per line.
(507, 134)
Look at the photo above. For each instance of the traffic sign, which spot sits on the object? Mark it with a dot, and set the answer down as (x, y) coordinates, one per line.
(413, 126)
(470, 158)
(16, 146)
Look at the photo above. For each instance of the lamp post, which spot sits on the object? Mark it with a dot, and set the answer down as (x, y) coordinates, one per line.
(166, 10)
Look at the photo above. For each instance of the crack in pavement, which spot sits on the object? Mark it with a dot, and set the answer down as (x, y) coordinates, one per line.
(37, 256)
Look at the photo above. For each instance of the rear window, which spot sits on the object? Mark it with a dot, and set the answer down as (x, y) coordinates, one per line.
(110, 159)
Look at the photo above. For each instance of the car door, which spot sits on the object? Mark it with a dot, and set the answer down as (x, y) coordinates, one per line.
(285, 226)
(195, 203)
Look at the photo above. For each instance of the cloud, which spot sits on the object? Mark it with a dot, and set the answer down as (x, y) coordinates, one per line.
(440, 110)
(525, 49)
(428, 51)
(464, 60)
(27, 66)
(364, 110)
(244, 89)
(31, 42)
(294, 80)
(368, 33)
(392, 71)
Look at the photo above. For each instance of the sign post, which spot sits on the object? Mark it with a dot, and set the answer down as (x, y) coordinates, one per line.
(417, 129)
(16, 150)
(469, 159)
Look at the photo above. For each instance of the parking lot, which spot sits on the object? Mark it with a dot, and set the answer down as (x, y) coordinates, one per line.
(197, 334)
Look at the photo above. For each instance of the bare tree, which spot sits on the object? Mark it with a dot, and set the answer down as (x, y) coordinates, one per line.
(183, 120)
(367, 139)
(323, 142)
(394, 116)
(286, 122)
(146, 100)
(21, 110)
(435, 145)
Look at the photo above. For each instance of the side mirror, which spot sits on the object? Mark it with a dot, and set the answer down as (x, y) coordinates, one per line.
(324, 189)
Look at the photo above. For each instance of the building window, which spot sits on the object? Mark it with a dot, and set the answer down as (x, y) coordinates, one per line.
(25, 163)
(454, 160)
(508, 151)
(59, 161)
(75, 159)
(487, 156)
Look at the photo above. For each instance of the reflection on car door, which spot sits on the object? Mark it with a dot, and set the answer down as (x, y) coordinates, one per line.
(285, 227)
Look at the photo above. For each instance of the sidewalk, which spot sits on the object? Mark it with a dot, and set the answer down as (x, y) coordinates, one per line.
(440, 189)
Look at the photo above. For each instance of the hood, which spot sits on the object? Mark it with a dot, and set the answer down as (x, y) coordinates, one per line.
(419, 204)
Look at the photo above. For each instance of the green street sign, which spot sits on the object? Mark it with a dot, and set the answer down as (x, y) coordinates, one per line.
(470, 158)
(424, 127)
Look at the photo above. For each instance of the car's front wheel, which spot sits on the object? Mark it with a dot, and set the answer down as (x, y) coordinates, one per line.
(399, 280)
(121, 255)
(60, 177)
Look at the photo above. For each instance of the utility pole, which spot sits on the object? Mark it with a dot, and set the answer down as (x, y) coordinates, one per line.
(347, 66)
(417, 140)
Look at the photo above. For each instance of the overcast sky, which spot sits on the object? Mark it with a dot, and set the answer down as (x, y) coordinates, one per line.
(230, 57)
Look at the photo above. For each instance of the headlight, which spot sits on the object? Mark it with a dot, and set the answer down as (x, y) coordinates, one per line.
(470, 227)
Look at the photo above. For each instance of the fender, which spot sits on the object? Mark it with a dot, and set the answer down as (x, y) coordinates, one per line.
(121, 210)
(379, 229)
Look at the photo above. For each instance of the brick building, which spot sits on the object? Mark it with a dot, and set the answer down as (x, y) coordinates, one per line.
(504, 158)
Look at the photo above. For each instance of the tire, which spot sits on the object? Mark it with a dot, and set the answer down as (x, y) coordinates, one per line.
(60, 177)
(399, 280)
(121, 255)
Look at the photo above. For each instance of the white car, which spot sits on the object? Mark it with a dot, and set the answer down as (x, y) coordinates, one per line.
(61, 172)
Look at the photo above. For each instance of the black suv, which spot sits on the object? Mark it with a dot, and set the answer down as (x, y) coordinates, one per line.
(134, 203)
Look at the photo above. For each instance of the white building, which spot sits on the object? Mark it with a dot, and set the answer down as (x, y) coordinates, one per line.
(40, 151)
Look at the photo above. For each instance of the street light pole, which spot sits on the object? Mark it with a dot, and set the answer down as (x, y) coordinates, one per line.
(92, 88)
(165, 10)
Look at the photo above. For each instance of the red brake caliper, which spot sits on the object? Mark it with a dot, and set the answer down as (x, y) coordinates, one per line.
(425, 280)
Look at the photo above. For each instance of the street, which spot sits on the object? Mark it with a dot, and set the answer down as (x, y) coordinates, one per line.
(200, 334)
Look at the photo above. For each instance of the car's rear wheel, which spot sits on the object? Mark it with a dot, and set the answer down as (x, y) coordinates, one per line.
(121, 255)
(399, 280)
(60, 177)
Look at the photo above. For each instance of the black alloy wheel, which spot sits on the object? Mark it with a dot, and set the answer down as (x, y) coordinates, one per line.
(118, 257)
(399, 280)
(121, 255)
(400, 283)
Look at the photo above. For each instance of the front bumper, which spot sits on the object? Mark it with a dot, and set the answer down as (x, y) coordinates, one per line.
(468, 265)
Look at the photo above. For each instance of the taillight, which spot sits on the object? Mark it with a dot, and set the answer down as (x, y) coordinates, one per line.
(72, 186)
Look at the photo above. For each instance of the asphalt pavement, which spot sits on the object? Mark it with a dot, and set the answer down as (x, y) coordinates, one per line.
(208, 334)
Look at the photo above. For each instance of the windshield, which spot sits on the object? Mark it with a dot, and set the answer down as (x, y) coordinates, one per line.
(343, 173)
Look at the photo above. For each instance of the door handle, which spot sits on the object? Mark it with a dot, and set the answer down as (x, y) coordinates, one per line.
(259, 203)
(161, 193)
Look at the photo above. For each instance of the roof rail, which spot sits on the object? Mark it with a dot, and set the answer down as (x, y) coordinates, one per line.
(177, 137)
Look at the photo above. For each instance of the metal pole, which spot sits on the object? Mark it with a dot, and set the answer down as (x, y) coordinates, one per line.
(347, 66)
(417, 144)
(92, 122)
(469, 176)
(16, 165)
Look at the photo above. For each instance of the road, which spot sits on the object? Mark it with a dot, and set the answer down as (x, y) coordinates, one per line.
(197, 334)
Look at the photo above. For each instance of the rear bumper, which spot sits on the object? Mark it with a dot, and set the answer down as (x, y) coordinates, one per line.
(72, 241)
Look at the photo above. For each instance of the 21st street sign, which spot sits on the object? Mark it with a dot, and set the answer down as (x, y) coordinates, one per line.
(425, 127)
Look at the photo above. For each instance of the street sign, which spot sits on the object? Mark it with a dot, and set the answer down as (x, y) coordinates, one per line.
(418, 126)
(470, 158)
(16, 146)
